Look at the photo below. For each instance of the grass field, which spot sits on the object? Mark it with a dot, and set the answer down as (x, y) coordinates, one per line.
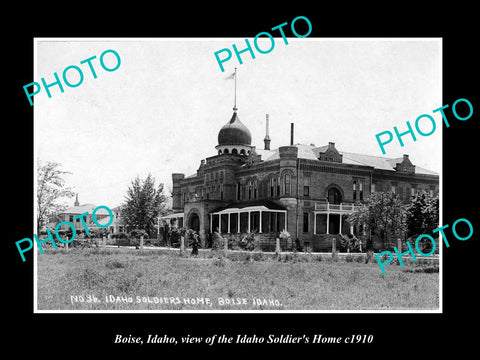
(92, 279)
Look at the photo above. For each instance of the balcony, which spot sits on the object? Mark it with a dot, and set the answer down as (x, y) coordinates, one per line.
(326, 207)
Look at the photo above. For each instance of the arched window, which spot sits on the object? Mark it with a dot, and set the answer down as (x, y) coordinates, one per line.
(286, 184)
(226, 151)
(249, 189)
(354, 190)
(242, 152)
(255, 189)
(234, 151)
(360, 185)
(219, 152)
(334, 196)
(278, 186)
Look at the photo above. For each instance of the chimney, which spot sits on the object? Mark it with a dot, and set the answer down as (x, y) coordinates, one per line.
(267, 137)
(291, 133)
(405, 157)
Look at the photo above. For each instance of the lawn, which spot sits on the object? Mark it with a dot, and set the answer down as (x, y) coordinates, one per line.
(126, 279)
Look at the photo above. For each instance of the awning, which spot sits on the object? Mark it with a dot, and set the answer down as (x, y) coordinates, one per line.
(172, 216)
(258, 205)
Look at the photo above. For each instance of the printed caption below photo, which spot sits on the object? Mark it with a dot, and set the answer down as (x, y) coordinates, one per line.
(244, 339)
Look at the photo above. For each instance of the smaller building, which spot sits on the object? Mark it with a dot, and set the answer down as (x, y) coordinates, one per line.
(101, 215)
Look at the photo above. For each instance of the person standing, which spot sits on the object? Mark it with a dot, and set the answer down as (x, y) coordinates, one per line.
(195, 240)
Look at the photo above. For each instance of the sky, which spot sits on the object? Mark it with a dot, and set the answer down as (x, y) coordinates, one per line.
(160, 112)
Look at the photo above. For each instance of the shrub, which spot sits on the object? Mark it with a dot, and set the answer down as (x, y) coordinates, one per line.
(119, 235)
(248, 242)
(217, 241)
(350, 243)
(136, 233)
(426, 269)
(174, 235)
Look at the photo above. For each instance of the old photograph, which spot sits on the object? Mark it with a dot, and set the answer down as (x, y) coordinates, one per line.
(272, 174)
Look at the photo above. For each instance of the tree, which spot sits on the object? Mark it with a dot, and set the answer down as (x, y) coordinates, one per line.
(143, 204)
(422, 214)
(50, 188)
(382, 213)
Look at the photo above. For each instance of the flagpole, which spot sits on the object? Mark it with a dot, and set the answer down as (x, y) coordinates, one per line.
(235, 96)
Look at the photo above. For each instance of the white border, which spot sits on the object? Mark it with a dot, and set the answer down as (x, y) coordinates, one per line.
(232, 311)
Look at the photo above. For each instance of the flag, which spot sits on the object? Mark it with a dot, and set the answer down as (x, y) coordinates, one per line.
(230, 77)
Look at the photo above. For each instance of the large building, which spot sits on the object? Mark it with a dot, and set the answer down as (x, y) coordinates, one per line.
(305, 189)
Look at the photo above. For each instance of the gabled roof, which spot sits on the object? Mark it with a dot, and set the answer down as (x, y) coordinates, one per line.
(312, 152)
(84, 208)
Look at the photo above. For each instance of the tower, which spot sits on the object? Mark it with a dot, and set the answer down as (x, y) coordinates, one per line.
(76, 203)
(266, 140)
(234, 137)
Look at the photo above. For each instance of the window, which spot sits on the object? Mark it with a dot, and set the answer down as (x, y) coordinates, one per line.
(306, 186)
(286, 184)
(413, 190)
(255, 189)
(361, 190)
(354, 190)
(394, 188)
(221, 191)
(272, 187)
(373, 187)
(431, 191)
(249, 189)
(278, 186)
(305, 222)
(238, 191)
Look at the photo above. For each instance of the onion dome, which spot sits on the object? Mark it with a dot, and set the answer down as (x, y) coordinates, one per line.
(234, 133)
